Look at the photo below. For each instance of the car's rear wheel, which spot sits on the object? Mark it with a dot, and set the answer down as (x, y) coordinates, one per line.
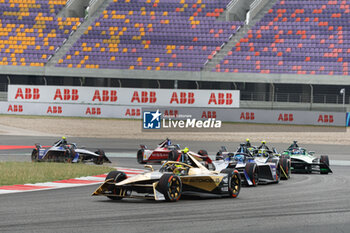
(140, 156)
(117, 177)
(278, 174)
(253, 173)
(99, 159)
(171, 187)
(35, 155)
(324, 160)
(234, 182)
(285, 165)
(68, 155)
(173, 155)
(203, 152)
(219, 156)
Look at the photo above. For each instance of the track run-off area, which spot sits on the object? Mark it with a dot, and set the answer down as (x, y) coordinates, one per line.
(305, 203)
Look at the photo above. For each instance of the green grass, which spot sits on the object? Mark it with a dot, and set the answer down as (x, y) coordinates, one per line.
(28, 172)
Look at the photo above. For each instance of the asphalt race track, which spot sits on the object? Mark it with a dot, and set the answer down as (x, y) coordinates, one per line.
(305, 203)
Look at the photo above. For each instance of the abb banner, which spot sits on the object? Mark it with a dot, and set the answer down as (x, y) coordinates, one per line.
(259, 116)
(124, 96)
(134, 112)
(46, 109)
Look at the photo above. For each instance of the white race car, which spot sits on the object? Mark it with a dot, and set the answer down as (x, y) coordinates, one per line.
(303, 161)
(69, 153)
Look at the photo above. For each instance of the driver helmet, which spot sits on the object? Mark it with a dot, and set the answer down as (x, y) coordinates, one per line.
(63, 137)
(239, 157)
(263, 142)
(185, 150)
(177, 169)
(247, 140)
(296, 151)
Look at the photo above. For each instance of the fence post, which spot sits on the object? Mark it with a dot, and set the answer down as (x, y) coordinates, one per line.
(311, 96)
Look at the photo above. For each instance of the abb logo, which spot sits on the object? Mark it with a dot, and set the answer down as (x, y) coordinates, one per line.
(185, 98)
(220, 99)
(67, 94)
(171, 113)
(29, 94)
(15, 108)
(54, 109)
(285, 117)
(209, 114)
(107, 96)
(247, 116)
(146, 97)
(325, 118)
(93, 111)
(133, 112)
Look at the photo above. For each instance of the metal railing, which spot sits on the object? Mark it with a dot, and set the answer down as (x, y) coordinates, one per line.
(3, 87)
(294, 97)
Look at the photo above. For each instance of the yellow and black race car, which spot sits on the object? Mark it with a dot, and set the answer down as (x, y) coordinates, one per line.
(171, 181)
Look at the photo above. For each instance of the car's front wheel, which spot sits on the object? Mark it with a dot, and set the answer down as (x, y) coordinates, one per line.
(234, 182)
(35, 155)
(116, 176)
(324, 160)
(171, 187)
(253, 173)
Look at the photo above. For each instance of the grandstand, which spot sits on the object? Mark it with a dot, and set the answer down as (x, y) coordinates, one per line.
(274, 51)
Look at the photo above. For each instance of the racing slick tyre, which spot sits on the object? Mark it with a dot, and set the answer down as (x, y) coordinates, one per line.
(285, 165)
(99, 160)
(140, 156)
(170, 186)
(253, 173)
(35, 155)
(233, 182)
(205, 157)
(203, 152)
(324, 168)
(117, 177)
(219, 156)
(68, 156)
(277, 162)
(173, 155)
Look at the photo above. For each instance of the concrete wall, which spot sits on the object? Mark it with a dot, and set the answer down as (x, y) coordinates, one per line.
(76, 8)
(255, 8)
(238, 10)
(94, 6)
(284, 117)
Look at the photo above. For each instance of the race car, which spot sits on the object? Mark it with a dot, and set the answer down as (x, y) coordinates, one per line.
(61, 151)
(171, 181)
(167, 151)
(263, 166)
(307, 162)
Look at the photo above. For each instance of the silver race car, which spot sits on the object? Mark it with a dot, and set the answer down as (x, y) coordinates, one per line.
(61, 151)
(262, 166)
